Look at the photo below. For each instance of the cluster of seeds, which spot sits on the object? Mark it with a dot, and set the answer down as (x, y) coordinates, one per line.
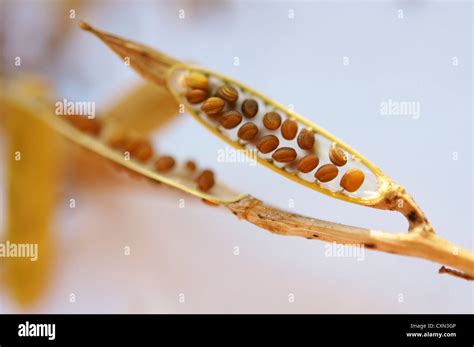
(140, 149)
(220, 102)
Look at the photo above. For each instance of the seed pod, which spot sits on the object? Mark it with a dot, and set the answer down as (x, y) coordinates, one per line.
(90, 126)
(249, 108)
(205, 180)
(308, 163)
(196, 80)
(213, 106)
(248, 131)
(268, 143)
(306, 139)
(195, 96)
(352, 180)
(337, 156)
(284, 155)
(191, 166)
(326, 173)
(230, 119)
(228, 93)
(164, 164)
(289, 129)
(272, 120)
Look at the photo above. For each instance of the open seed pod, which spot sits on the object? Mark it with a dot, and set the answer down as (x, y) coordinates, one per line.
(286, 143)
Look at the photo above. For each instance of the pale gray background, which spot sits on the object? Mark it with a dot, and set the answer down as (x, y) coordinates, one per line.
(296, 62)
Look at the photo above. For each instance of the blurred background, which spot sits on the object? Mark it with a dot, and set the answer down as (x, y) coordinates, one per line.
(128, 247)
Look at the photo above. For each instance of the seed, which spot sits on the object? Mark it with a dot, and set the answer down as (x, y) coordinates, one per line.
(308, 163)
(249, 108)
(164, 164)
(205, 180)
(284, 155)
(272, 120)
(352, 180)
(191, 165)
(141, 150)
(195, 96)
(306, 139)
(326, 173)
(210, 203)
(248, 131)
(213, 106)
(228, 93)
(197, 80)
(230, 119)
(337, 156)
(289, 129)
(268, 143)
(90, 126)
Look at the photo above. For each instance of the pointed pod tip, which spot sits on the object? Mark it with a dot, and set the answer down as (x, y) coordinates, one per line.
(84, 26)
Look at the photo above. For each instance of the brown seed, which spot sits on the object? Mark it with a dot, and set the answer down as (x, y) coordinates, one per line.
(284, 155)
(191, 165)
(268, 143)
(248, 131)
(230, 119)
(308, 163)
(195, 96)
(326, 173)
(306, 139)
(228, 93)
(213, 106)
(337, 156)
(164, 164)
(197, 80)
(249, 108)
(289, 129)
(272, 120)
(352, 180)
(205, 180)
(90, 126)
(141, 150)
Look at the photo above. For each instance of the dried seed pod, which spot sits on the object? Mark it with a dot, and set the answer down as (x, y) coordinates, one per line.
(213, 106)
(248, 131)
(205, 180)
(228, 93)
(272, 120)
(337, 156)
(327, 173)
(289, 129)
(268, 143)
(90, 126)
(230, 119)
(196, 96)
(308, 163)
(191, 166)
(284, 155)
(196, 80)
(250, 108)
(306, 139)
(164, 164)
(352, 180)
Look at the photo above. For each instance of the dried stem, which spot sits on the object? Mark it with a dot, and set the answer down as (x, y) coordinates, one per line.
(420, 244)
